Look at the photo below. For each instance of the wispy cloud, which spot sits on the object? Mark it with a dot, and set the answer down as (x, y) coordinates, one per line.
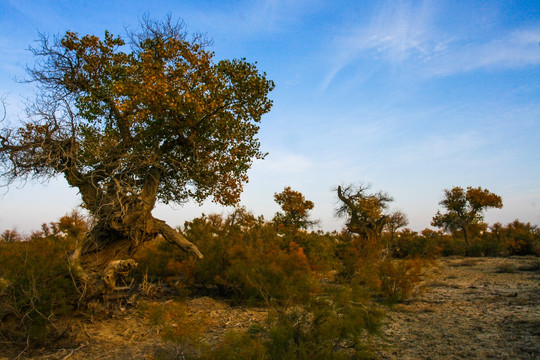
(408, 34)
(395, 33)
(516, 49)
(251, 18)
(440, 148)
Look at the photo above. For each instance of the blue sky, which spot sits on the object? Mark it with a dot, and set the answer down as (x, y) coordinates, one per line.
(410, 96)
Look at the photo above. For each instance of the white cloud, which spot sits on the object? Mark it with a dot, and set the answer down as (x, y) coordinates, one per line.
(397, 32)
(516, 49)
(402, 33)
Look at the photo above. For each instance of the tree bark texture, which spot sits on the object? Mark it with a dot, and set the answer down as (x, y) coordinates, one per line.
(121, 227)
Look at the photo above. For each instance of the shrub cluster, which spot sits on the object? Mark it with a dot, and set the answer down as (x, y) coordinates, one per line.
(245, 259)
(35, 284)
(249, 261)
(333, 325)
(321, 288)
(516, 238)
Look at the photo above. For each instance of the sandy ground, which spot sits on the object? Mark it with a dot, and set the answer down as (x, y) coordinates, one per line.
(473, 308)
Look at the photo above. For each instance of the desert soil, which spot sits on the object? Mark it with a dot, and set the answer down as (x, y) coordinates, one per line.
(472, 308)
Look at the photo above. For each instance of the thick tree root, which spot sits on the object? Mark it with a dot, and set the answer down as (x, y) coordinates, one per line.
(97, 264)
(115, 269)
(98, 283)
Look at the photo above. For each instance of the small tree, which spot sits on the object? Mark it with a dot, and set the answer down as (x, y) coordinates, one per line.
(10, 236)
(464, 209)
(129, 122)
(365, 212)
(295, 208)
(396, 220)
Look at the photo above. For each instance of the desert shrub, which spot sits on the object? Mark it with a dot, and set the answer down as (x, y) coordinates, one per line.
(175, 325)
(506, 268)
(236, 345)
(244, 259)
(36, 286)
(452, 245)
(493, 242)
(533, 266)
(271, 273)
(153, 260)
(407, 243)
(476, 247)
(36, 289)
(333, 325)
(399, 279)
(10, 236)
(365, 265)
(516, 238)
(465, 262)
(522, 238)
(356, 255)
(319, 247)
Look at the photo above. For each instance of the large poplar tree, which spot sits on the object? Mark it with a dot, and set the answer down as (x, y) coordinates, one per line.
(132, 120)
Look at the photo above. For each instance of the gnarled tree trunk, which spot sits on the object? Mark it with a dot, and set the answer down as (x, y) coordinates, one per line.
(104, 254)
(123, 224)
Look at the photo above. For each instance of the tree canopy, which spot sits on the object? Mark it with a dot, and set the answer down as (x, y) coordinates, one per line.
(110, 110)
(136, 119)
(366, 213)
(464, 208)
(295, 208)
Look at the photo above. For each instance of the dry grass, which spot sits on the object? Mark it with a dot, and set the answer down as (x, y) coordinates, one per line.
(506, 268)
(533, 266)
(465, 262)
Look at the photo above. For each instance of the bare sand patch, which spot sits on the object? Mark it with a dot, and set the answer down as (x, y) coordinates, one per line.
(475, 308)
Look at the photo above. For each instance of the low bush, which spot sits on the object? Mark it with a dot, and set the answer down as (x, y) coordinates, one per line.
(533, 266)
(244, 259)
(407, 243)
(175, 326)
(319, 247)
(333, 325)
(400, 279)
(522, 239)
(235, 345)
(357, 256)
(506, 268)
(36, 288)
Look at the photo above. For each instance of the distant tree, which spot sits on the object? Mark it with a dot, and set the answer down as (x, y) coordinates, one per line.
(129, 122)
(464, 210)
(74, 225)
(396, 220)
(366, 213)
(295, 208)
(10, 236)
(522, 238)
